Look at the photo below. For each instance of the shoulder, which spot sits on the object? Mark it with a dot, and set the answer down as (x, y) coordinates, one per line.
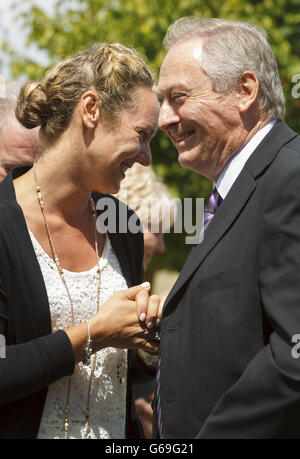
(278, 157)
(287, 162)
(281, 182)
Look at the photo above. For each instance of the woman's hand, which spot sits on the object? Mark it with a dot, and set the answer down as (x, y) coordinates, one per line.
(149, 309)
(116, 324)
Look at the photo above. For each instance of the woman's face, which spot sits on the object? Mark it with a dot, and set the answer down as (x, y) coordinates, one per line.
(118, 145)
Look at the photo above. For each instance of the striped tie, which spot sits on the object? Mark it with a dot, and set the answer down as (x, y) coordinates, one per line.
(158, 405)
(213, 203)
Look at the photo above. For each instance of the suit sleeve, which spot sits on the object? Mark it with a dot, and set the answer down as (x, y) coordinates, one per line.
(27, 368)
(265, 401)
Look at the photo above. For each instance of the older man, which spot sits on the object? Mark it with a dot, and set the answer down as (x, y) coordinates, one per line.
(18, 146)
(229, 364)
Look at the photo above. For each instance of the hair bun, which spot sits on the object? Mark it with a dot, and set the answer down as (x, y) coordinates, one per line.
(31, 108)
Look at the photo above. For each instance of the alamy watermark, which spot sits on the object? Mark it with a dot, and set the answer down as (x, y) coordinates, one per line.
(157, 215)
(2, 347)
(296, 347)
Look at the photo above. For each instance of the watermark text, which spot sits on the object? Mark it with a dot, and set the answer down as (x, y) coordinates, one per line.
(296, 347)
(158, 216)
(296, 87)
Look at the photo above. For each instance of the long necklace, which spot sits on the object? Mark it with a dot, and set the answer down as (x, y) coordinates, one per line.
(62, 277)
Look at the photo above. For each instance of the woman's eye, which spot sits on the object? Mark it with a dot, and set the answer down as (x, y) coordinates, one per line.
(142, 135)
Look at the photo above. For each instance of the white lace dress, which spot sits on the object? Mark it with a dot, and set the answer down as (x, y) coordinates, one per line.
(108, 390)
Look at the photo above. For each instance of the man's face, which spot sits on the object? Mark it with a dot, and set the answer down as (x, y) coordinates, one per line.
(199, 121)
(18, 146)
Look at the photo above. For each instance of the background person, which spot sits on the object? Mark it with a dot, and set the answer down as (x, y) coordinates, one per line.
(18, 146)
(150, 199)
(97, 113)
(226, 369)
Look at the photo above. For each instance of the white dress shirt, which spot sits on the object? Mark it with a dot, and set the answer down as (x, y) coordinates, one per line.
(235, 165)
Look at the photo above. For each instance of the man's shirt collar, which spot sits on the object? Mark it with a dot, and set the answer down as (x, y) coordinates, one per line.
(235, 165)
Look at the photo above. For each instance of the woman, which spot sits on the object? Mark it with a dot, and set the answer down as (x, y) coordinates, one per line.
(97, 113)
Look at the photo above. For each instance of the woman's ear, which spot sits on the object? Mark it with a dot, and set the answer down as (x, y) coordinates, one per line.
(89, 107)
(248, 91)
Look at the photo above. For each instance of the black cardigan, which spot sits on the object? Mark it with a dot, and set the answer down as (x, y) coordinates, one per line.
(35, 357)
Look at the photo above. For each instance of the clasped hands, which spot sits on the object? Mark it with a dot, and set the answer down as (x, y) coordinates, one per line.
(129, 320)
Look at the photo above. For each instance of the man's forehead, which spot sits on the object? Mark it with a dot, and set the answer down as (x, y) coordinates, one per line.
(181, 66)
(188, 50)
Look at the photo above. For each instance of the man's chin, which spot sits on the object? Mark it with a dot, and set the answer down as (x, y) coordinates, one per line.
(184, 159)
(189, 162)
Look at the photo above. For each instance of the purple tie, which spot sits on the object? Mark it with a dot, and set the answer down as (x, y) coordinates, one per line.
(158, 404)
(212, 204)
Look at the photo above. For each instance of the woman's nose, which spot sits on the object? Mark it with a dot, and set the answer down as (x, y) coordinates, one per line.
(145, 156)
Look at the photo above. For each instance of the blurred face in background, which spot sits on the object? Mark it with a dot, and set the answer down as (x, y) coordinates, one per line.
(18, 146)
(153, 242)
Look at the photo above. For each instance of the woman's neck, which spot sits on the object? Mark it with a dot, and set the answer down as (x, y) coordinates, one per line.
(61, 188)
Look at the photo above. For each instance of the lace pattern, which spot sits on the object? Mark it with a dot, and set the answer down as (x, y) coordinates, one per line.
(108, 391)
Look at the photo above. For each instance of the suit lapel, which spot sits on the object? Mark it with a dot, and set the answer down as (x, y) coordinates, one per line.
(235, 201)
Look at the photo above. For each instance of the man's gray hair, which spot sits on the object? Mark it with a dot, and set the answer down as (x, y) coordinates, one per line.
(231, 48)
(8, 103)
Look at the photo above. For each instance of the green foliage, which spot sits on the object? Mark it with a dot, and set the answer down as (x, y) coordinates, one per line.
(77, 24)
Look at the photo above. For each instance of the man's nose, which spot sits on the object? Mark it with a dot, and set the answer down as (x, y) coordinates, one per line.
(167, 116)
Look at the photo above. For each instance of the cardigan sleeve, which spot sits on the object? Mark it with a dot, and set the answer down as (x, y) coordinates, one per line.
(30, 367)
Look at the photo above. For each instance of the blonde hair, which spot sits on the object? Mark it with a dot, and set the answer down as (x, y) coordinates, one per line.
(112, 70)
(144, 192)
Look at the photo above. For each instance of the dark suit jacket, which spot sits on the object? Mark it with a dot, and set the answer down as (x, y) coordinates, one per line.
(35, 357)
(227, 370)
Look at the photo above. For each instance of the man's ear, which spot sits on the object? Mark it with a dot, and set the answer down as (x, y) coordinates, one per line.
(90, 110)
(248, 91)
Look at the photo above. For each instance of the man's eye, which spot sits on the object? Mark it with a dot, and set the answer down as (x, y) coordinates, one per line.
(178, 97)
